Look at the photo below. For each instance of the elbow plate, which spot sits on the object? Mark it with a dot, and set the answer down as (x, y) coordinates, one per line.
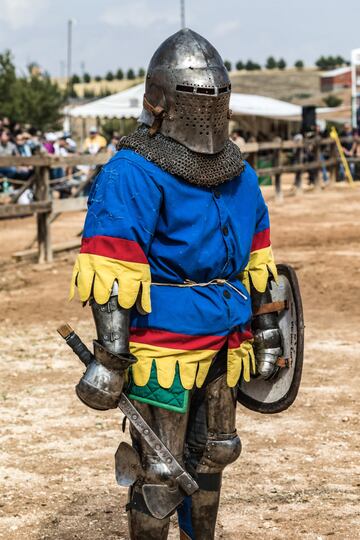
(275, 389)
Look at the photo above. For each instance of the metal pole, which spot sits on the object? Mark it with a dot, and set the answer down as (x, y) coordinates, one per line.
(182, 13)
(69, 51)
(353, 95)
(355, 64)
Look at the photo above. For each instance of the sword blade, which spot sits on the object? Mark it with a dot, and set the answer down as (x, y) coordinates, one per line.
(182, 477)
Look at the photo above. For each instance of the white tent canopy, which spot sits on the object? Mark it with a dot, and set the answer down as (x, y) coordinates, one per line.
(128, 104)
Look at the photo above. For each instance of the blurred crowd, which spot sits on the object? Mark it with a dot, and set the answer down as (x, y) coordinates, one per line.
(16, 181)
(350, 142)
(17, 140)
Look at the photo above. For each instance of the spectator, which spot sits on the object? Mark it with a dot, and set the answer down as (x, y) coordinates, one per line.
(94, 143)
(22, 144)
(7, 148)
(112, 146)
(50, 139)
(23, 148)
(70, 143)
(349, 148)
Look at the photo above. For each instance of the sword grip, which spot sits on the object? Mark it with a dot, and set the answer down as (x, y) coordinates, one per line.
(75, 343)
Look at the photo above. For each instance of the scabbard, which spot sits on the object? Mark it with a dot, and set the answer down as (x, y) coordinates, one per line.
(181, 477)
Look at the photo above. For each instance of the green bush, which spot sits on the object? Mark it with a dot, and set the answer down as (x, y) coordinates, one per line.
(332, 101)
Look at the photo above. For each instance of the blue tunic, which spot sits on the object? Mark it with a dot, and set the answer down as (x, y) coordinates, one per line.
(142, 225)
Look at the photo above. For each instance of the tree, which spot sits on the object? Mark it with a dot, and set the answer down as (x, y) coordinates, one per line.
(271, 63)
(7, 83)
(119, 74)
(109, 76)
(281, 64)
(299, 64)
(130, 74)
(340, 61)
(252, 66)
(227, 64)
(141, 72)
(239, 65)
(330, 62)
(86, 78)
(98, 78)
(332, 101)
(75, 79)
(33, 99)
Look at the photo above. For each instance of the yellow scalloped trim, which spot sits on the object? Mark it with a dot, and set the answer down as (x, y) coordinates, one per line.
(261, 262)
(193, 365)
(240, 361)
(95, 274)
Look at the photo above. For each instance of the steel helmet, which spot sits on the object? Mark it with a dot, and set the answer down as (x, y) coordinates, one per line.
(187, 93)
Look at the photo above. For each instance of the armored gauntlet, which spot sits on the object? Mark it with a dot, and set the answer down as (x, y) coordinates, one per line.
(267, 336)
(103, 381)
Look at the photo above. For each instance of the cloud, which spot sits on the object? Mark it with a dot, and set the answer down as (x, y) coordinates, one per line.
(21, 13)
(141, 14)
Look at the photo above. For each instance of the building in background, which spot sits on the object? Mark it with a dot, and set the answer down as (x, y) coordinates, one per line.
(336, 79)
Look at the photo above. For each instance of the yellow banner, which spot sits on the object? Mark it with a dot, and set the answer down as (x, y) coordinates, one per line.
(334, 135)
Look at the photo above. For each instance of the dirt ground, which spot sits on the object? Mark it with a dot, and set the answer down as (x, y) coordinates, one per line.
(298, 476)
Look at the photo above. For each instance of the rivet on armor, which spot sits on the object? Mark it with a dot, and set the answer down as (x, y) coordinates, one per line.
(168, 460)
(134, 416)
(146, 432)
(157, 446)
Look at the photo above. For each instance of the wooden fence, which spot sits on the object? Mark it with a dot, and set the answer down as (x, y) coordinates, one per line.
(285, 157)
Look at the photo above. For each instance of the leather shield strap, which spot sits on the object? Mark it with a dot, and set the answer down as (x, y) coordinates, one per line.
(271, 308)
(158, 112)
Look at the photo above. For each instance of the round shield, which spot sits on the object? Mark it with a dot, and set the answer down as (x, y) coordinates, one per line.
(278, 393)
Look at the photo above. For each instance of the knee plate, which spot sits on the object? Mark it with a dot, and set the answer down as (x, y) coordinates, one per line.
(219, 451)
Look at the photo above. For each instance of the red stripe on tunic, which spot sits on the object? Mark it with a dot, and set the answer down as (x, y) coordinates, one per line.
(172, 340)
(115, 248)
(237, 338)
(261, 240)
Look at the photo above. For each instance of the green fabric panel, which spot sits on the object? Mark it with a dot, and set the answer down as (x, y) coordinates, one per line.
(175, 398)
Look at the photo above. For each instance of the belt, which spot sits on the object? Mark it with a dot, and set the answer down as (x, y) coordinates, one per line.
(189, 283)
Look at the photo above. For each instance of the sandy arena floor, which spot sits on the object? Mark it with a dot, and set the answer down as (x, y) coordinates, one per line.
(299, 473)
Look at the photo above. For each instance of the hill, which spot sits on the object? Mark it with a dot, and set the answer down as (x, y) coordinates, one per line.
(299, 87)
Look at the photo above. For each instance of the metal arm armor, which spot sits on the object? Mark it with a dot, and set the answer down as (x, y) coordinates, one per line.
(112, 326)
(267, 336)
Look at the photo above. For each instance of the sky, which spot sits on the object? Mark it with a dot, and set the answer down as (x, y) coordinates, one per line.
(109, 34)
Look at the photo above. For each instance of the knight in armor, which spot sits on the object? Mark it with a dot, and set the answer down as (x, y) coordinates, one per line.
(175, 255)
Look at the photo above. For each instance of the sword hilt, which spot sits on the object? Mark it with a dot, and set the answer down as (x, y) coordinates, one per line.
(75, 343)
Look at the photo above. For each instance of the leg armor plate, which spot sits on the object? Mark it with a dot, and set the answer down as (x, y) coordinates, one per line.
(212, 443)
